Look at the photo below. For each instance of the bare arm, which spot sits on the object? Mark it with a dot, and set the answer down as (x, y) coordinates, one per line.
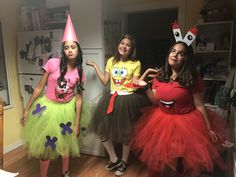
(78, 112)
(104, 78)
(135, 79)
(199, 104)
(151, 95)
(37, 92)
(150, 92)
(147, 72)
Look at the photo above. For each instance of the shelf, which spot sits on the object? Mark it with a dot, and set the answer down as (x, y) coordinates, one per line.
(215, 23)
(56, 17)
(210, 106)
(214, 79)
(212, 51)
(55, 22)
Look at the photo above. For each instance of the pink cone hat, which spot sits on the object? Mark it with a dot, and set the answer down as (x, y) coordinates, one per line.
(69, 32)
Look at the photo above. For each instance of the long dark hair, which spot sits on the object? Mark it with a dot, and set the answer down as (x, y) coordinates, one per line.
(187, 73)
(63, 67)
(132, 54)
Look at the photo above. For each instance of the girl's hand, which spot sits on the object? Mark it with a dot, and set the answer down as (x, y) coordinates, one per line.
(151, 70)
(24, 118)
(140, 83)
(90, 63)
(227, 144)
(213, 136)
(153, 73)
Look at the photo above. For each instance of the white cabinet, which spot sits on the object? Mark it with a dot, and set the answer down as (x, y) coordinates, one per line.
(94, 22)
(93, 86)
(88, 17)
(213, 50)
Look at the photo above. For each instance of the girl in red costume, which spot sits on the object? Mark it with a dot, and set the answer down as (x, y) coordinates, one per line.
(178, 133)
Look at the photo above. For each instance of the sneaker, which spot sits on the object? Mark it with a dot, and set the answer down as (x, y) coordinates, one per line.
(113, 165)
(67, 174)
(121, 169)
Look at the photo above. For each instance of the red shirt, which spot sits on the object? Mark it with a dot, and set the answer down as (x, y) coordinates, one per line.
(174, 98)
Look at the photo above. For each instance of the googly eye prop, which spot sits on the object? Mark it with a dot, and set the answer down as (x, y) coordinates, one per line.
(189, 37)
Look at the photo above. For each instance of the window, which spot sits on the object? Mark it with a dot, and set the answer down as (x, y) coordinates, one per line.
(4, 84)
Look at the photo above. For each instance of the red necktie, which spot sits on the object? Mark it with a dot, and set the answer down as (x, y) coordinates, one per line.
(111, 103)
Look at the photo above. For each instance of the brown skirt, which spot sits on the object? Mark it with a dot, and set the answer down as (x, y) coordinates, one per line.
(117, 125)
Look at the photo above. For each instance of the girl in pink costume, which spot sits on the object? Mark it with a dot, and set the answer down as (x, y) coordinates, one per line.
(179, 134)
(52, 121)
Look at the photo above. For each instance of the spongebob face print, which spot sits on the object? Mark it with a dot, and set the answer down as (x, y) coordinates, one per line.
(62, 89)
(122, 73)
(119, 75)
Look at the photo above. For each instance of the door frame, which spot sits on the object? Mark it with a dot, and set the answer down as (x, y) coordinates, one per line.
(149, 6)
(4, 54)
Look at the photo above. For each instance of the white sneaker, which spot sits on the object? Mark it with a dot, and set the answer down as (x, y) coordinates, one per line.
(121, 169)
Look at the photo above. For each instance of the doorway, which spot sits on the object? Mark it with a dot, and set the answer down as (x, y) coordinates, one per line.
(153, 34)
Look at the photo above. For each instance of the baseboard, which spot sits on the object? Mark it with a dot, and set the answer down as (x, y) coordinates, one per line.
(93, 152)
(13, 146)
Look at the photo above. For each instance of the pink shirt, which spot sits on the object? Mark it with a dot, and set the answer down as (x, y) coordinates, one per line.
(53, 91)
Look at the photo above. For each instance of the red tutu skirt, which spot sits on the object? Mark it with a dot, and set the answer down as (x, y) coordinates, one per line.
(161, 138)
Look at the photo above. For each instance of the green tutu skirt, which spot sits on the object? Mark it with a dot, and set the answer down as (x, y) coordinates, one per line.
(49, 131)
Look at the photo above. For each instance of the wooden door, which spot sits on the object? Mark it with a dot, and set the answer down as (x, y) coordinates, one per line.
(1, 133)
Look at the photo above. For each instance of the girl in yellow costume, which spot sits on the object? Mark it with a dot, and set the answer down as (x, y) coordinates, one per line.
(118, 110)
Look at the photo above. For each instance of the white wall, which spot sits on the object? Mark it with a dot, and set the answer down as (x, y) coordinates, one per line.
(87, 19)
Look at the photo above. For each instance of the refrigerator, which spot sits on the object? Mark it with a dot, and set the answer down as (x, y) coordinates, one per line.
(35, 48)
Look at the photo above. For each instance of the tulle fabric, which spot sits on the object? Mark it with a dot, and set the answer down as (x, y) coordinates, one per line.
(160, 138)
(117, 125)
(40, 127)
(220, 126)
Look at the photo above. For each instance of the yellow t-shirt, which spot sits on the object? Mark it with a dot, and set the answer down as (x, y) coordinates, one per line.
(122, 73)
